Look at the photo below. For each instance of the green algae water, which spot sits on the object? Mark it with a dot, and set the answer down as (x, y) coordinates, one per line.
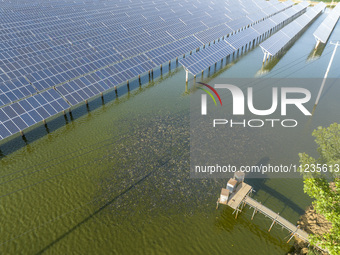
(113, 177)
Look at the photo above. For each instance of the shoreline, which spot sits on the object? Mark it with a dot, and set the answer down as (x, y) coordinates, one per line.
(312, 223)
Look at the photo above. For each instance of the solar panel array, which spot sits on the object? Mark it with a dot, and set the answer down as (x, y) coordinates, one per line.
(325, 29)
(279, 40)
(74, 50)
(210, 55)
(203, 59)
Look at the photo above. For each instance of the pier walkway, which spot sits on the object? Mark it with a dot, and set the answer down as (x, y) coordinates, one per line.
(240, 196)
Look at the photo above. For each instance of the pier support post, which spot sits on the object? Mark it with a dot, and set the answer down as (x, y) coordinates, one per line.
(272, 223)
(317, 44)
(255, 210)
(128, 85)
(293, 234)
(116, 91)
(161, 69)
(186, 76)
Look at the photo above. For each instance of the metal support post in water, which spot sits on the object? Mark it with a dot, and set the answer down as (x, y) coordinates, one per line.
(116, 90)
(326, 74)
(169, 64)
(186, 75)
(128, 85)
(161, 69)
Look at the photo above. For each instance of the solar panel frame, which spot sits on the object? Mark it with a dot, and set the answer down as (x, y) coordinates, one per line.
(323, 32)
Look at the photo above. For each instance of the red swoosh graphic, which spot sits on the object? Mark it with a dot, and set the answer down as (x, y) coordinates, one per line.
(213, 90)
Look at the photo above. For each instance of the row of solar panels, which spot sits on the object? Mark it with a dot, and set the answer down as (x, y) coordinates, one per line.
(278, 41)
(95, 32)
(52, 68)
(125, 17)
(27, 112)
(84, 59)
(325, 29)
(209, 56)
(48, 43)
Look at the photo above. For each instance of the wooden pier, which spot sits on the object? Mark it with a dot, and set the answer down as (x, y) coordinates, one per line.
(240, 196)
(258, 207)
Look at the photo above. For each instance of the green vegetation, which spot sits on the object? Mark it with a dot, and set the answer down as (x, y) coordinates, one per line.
(325, 191)
(312, 252)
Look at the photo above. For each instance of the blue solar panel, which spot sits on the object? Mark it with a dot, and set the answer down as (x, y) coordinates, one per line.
(209, 56)
(18, 116)
(84, 88)
(168, 52)
(82, 49)
(325, 29)
(279, 40)
(14, 90)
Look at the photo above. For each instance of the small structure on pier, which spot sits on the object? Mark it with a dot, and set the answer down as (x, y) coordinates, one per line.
(235, 192)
